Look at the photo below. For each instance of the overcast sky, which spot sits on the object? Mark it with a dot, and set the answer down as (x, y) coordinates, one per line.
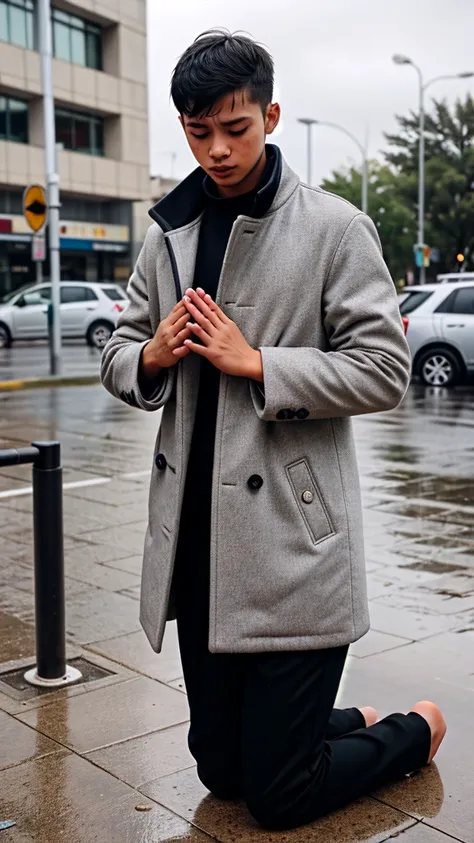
(333, 62)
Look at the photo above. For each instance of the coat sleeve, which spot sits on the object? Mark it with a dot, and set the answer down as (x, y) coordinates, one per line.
(367, 366)
(121, 357)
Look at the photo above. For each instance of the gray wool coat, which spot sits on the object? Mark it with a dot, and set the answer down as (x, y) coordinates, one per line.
(307, 285)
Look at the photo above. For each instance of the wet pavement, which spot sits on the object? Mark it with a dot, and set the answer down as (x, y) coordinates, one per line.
(32, 360)
(107, 760)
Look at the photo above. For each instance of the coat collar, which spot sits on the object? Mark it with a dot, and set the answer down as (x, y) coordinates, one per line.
(185, 203)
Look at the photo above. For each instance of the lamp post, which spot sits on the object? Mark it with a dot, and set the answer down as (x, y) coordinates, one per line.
(400, 59)
(309, 123)
(362, 148)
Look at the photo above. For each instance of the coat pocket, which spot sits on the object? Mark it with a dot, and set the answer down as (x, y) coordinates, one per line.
(309, 501)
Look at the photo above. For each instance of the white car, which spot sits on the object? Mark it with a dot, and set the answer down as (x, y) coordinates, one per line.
(439, 323)
(88, 310)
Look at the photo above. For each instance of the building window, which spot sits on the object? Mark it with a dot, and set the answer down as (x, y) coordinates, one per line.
(16, 22)
(80, 132)
(13, 120)
(77, 40)
(11, 202)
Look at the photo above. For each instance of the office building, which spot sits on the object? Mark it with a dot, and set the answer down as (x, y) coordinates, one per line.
(100, 90)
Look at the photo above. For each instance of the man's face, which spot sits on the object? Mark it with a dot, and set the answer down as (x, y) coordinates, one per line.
(229, 145)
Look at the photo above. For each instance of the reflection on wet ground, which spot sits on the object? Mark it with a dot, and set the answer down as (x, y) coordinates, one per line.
(80, 762)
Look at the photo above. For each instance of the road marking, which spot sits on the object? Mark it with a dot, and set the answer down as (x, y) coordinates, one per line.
(76, 484)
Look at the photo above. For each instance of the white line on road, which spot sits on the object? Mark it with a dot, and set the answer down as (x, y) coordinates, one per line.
(76, 484)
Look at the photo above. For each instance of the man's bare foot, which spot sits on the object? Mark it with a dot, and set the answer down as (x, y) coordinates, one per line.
(369, 714)
(431, 713)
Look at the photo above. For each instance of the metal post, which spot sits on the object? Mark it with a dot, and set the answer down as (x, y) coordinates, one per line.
(39, 272)
(51, 669)
(365, 184)
(421, 178)
(309, 154)
(52, 177)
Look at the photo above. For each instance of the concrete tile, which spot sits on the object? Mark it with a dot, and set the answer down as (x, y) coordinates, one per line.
(111, 714)
(376, 642)
(93, 573)
(155, 755)
(101, 553)
(411, 624)
(135, 652)
(428, 601)
(178, 684)
(97, 614)
(120, 536)
(20, 743)
(67, 798)
(421, 833)
(448, 657)
(229, 822)
(131, 564)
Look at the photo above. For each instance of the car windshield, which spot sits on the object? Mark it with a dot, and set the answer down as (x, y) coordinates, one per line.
(114, 293)
(411, 300)
(11, 295)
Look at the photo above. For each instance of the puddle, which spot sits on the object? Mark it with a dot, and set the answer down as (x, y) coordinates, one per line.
(17, 638)
(449, 542)
(434, 567)
(398, 453)
(408, 510)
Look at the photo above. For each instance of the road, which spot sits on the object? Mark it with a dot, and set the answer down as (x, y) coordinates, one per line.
(32, 360)
(416, 464)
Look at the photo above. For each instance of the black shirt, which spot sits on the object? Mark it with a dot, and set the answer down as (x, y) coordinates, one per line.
(216, 225)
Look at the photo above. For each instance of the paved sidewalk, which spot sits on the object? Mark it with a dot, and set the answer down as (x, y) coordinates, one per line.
(107, 760)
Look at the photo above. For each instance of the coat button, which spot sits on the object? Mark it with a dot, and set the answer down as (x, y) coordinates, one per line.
(255, 482)
(307, 496)
(302, 414)
(160, 462)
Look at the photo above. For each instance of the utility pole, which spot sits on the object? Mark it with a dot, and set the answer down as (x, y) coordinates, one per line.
(309, 123)
(52, 177)
(401, 60)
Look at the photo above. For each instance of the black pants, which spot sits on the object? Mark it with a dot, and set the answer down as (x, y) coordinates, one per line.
(263, 726)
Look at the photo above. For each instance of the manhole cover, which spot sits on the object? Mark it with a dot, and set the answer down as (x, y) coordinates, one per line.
(13, 682)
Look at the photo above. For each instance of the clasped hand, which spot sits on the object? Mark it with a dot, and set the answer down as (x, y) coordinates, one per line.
(223, 343)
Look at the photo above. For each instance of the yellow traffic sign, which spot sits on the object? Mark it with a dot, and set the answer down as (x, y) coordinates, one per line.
(35, 206)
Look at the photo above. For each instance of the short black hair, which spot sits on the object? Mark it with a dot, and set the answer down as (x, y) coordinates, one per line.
(218, 63)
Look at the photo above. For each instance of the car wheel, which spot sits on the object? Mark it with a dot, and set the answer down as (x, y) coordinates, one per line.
(99, 334)
(439, 367)
(5, 337)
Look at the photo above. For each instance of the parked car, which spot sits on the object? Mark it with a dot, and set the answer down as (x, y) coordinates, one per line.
(454, 277)
(439, 324)
(88, 311)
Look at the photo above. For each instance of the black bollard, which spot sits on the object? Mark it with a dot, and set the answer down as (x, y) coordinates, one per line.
(50, 615)
(51, 669)
(49, 562)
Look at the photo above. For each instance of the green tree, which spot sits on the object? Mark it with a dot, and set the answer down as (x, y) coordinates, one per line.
(449, 176)
(392, 216)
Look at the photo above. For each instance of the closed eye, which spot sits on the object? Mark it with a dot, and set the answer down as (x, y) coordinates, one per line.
(237, 132)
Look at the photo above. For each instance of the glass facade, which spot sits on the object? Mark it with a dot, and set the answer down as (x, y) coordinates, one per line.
(16, 22)
(80, 132)
(13, 120)
(76, 40)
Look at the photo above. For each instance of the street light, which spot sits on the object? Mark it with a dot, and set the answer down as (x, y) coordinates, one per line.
(309, 123)
(362, 148)
(401, 59)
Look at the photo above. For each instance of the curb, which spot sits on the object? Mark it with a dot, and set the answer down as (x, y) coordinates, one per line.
(51, 380)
